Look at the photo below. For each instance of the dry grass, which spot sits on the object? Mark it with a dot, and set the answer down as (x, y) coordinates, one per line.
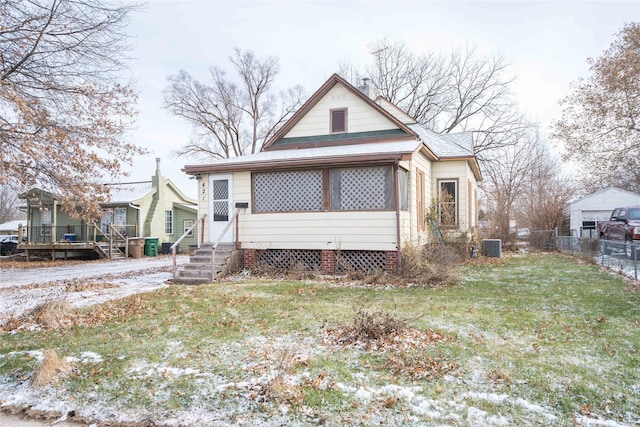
(50, 369)
(417, 365)
(57, 314)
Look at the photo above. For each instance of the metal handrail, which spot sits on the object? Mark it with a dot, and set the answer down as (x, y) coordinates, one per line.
(177, 242)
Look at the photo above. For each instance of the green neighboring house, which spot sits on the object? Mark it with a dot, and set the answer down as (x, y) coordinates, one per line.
(136, 210)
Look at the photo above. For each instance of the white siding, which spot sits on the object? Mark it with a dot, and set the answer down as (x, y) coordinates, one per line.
(307, 230)
(598, 206)
(409, 220)
(460, 171)
(360, 116)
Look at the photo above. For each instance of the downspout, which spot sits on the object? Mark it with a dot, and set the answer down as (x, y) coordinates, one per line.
(397, 173)
(131, 205)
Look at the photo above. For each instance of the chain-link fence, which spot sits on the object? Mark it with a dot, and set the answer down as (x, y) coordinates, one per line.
(618, 256)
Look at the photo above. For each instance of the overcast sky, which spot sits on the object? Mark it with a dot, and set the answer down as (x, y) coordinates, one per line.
(547, 44)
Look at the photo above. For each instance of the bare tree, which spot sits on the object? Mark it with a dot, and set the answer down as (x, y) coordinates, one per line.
(64, 108)
(232, 119)
(464, 91)
(600, 123)
(548, 191)
(8, 205)
(506, 176)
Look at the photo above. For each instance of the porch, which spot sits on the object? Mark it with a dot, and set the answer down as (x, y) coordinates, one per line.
(84, 240)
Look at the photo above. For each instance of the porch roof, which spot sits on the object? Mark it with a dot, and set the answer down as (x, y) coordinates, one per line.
(341, 154)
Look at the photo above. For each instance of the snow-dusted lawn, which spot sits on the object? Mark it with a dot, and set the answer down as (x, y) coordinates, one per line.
(541, 340)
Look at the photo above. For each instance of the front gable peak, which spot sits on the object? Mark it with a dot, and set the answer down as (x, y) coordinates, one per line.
(339, 114)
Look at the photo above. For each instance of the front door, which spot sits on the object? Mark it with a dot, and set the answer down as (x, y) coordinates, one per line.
(221, 207)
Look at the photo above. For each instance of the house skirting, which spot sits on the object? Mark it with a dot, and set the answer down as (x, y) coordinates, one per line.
(325, 261)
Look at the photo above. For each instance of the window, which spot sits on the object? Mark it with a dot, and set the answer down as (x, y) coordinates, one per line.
(287, 191)
(362, 189)
(168, 222)
(106, 221)
(338, 120)
(403, 183)
(188, 223)
(448, 207)
(422, 209)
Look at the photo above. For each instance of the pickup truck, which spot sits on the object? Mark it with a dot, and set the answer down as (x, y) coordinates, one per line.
(622, 231)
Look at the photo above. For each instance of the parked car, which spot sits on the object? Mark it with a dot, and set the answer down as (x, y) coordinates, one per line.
(8, 244)
(622, 231)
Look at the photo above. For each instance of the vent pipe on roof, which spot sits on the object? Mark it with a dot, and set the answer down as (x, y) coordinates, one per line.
(367, 88)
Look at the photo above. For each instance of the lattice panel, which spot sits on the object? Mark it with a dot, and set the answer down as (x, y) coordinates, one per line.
(366, 261)
(288, 191)
(289, 259)
(361, 189)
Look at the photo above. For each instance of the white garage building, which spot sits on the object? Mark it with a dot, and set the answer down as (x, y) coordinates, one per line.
(584, 214)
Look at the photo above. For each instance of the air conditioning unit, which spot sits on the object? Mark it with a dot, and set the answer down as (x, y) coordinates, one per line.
(492, 248)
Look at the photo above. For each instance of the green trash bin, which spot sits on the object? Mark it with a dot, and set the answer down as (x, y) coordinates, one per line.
(151, 246)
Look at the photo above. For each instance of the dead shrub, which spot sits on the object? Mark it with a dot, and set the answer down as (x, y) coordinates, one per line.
(50, 368)
(380, 331)
(53, 314)
(431, 265)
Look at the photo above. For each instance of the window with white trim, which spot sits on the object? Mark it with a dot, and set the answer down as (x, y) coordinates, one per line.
(448, 206)
(168, 222)
(188, 223)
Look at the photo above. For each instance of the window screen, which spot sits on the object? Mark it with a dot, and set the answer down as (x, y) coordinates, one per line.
(287, 191)
(361, 189)
(168, 222)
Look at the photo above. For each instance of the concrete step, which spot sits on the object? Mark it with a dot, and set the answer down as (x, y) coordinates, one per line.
(192, 280)
(195, 273)
(203, 268)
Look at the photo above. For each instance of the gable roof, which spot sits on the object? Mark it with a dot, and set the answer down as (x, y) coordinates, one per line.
(129, 192)
(392, 108)
(605, 195)
(318, 95)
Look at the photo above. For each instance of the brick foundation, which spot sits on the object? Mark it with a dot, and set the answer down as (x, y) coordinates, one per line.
(392, 262)
(328, 261)
(249, 258)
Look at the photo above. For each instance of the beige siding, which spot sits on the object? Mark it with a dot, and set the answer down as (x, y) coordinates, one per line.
(360, 116)
(460, 171)
(306, 230)
(409, 220)
(320, 230)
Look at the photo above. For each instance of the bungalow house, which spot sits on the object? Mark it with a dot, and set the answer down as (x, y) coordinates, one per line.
(347, 181)
(585, 213)
(136, 210)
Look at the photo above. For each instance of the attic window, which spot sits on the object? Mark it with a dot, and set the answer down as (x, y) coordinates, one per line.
(339, 120)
